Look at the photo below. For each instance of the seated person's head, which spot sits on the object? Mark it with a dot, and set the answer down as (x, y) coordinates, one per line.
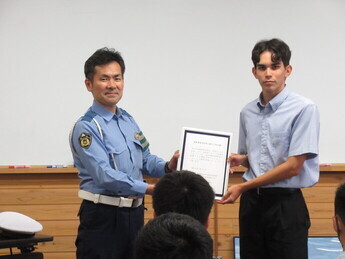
(174, 236)
(339, 208)
(183, 192)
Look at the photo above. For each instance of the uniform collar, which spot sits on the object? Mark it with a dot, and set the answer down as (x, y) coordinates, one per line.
(104, 113)
(276, 101)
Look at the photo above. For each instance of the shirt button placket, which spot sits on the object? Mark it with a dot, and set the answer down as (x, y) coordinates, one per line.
(263, 148)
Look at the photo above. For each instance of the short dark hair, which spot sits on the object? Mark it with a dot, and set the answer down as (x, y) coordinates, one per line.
(339, 202)
(279, 49)
(183, 192)
(101, 57)
(174, 236)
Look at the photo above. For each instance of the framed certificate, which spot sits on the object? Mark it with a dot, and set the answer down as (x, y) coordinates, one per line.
(206, 152)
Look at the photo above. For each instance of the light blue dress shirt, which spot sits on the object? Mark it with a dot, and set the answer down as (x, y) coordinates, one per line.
(341, 255)
(286, 126)
(95, 162)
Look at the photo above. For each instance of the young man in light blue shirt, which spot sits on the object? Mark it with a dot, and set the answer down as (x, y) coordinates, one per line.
(278, 143)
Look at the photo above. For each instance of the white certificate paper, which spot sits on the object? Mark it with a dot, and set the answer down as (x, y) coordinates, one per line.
(206, 152)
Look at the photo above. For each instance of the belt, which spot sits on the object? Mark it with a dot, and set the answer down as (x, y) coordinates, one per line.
(108, 200)
(274, 191)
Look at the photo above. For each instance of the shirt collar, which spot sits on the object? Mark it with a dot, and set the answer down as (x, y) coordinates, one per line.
(276, 101)
(104, 113)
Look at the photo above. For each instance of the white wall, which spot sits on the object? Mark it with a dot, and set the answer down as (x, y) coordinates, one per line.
(188, 64)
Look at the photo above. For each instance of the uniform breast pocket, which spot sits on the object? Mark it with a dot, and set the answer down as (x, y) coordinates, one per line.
(138, 154)
(119, 158)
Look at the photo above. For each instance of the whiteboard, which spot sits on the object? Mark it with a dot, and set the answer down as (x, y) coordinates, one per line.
(188, 65)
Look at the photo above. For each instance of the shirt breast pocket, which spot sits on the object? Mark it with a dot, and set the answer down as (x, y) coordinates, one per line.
(280, 143)
(119, 158)
(137, 154)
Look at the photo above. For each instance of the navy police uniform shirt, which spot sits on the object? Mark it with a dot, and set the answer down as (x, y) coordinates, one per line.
(112, 154)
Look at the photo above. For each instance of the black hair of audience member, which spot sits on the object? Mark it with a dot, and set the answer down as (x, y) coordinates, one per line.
(174, 236)
(339, 211)
(184, 192)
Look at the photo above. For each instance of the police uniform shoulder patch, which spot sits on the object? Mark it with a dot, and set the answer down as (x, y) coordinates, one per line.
(89, 116)
(144, 143)
(85, 140)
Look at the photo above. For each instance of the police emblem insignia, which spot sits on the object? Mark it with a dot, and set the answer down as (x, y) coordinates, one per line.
(144, 143)
(85, 140)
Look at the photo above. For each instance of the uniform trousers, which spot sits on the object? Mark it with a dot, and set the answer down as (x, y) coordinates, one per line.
(274, 223)
(107, 232)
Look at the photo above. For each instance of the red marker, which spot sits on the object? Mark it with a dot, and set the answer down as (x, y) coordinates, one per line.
(19, 166)
(325, 164)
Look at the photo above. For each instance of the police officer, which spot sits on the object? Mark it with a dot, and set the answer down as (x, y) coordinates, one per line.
(111, 154)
